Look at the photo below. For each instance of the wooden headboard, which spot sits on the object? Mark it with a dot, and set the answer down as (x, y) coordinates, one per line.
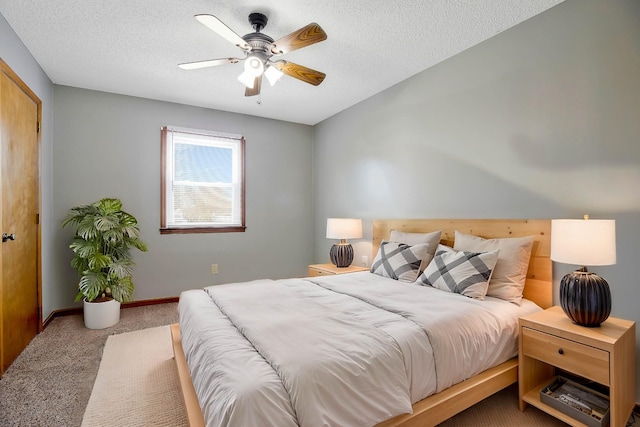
(538, 287)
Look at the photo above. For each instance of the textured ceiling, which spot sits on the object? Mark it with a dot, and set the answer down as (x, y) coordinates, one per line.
(133, 47)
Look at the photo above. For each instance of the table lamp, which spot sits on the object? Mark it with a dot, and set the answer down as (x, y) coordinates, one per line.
(341, 254)
(584, 296)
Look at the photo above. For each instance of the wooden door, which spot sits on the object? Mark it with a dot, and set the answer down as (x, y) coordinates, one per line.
(20, 298)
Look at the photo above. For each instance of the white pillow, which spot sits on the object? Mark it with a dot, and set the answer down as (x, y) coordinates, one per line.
(466, 273)
(507, 281)
(399, 261)
(432, 239)
(416, 238)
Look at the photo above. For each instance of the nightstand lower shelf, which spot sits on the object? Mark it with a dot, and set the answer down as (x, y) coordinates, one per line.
(533, 398)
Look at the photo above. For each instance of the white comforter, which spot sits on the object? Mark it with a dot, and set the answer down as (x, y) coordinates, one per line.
(347, 350)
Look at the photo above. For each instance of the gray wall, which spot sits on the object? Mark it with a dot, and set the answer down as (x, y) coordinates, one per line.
(541, 121)
(109, 146)
(16, 55)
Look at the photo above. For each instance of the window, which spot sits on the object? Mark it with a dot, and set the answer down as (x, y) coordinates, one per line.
(202, 182)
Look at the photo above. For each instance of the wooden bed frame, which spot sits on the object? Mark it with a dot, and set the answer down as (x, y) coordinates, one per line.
(441, 406)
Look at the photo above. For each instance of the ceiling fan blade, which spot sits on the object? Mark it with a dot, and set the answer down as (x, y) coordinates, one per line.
(299, 72)
(222, 30)
(256, 87)
(207, 63)
(305, 36)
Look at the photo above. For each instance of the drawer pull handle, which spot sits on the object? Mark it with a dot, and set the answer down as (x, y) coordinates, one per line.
(560, 351)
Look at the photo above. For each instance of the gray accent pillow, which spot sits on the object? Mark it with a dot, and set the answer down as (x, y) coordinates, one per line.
(465, 273)
(399, 261)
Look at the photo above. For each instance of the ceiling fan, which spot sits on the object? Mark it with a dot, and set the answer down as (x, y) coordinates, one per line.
(261, 52)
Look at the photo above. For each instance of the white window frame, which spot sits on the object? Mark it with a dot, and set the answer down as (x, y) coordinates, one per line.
(172, 135)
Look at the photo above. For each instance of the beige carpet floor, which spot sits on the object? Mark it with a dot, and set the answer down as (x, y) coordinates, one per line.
(49, 384)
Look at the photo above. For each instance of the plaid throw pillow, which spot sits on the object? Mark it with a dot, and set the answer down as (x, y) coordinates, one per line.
(465, 273)
(399, 261)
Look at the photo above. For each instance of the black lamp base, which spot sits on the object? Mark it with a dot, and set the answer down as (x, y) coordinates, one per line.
(341, 255)
(585, 298)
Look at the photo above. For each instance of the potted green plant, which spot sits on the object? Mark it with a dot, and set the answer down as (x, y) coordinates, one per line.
(104, 236)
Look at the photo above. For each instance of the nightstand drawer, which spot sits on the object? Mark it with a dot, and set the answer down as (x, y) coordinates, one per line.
(314, 272)
(571, 356)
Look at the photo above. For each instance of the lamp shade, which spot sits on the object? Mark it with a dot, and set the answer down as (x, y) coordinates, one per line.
(344, 228)
(584, 242)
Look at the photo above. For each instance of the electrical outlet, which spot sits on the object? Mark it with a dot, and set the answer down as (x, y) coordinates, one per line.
(365, 260)
(214, 268)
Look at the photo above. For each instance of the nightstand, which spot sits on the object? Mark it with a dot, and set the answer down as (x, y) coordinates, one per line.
(605, 354)
(329, 269)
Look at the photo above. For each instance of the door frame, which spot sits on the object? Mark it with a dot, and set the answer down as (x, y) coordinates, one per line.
(6, 70)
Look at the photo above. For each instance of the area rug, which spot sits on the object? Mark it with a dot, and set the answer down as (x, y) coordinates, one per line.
(137, 383)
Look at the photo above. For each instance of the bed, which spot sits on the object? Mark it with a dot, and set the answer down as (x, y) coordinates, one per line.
(353, 294)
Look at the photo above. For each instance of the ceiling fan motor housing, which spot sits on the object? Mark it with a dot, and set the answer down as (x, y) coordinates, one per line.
(258, 41)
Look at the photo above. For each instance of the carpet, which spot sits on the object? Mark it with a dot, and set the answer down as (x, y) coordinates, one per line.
(137, 383)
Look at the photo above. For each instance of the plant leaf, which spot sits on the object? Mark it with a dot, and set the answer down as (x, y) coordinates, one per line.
(92, 284)
(75, 215)
(121, 268)
(99, 261)
(83, 248)
(109, 206)
(86, 228)
(79, 264)
(139, 244)
(122, 290)
(106, 222)
(79, 296)
(113, 236)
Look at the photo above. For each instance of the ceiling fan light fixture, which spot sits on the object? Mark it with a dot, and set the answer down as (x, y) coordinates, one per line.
(273, 75)
(247, 79)
(254, 66)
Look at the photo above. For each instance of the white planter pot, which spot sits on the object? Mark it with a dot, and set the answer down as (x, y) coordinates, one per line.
(100, 315)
